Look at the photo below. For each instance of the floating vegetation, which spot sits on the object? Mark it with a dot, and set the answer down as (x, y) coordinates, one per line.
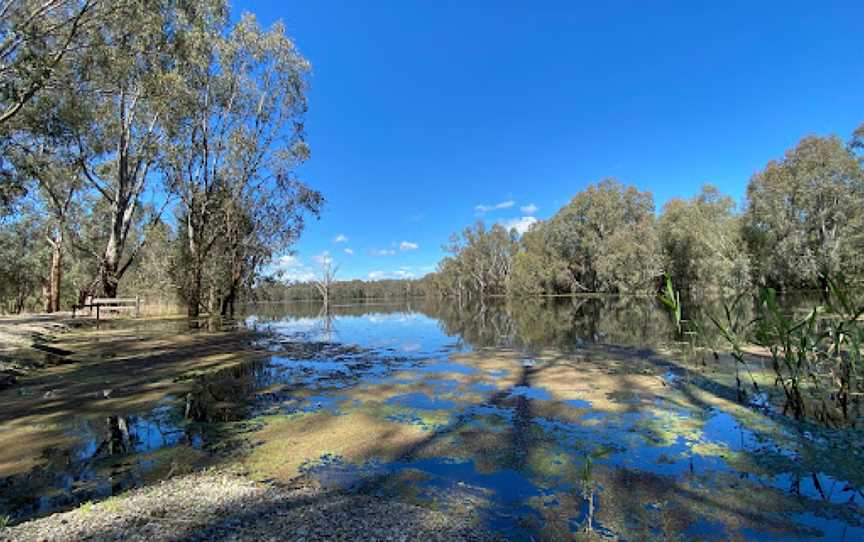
(591, 439)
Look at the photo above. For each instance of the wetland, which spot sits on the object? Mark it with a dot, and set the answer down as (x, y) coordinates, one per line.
(559, 418)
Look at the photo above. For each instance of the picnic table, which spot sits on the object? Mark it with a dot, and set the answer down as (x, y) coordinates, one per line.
(111, 304)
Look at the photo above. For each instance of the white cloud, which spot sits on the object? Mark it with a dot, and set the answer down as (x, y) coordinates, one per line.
(521, 225)
(401, 273)
(383, 252)
(528, 210)
(341, 238)
(486, 208)
(323, 258)
(349, 251)
(289, 260)
(292, 268)
(407, 245)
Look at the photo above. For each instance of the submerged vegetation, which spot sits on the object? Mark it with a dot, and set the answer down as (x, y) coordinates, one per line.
(532, 385)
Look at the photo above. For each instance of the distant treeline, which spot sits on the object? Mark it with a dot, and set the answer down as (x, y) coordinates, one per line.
(803, 220)
(273, 290)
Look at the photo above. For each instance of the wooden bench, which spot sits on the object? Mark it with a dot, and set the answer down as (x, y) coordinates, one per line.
(117, 304)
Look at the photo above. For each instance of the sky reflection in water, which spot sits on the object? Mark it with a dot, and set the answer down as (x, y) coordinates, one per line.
(502, 437)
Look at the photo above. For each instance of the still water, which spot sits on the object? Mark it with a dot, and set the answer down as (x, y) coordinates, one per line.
(542, 419)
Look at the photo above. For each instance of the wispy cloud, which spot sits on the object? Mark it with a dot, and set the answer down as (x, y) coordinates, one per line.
(292, 268)
(383, 252)
(482, 208)
(341, 238)
(349, 251)
(404, 272)
(521, 224)
(407, 245)
(528, 210)
(323, 258)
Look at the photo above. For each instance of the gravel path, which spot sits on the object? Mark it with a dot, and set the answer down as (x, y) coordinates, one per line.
(222, 507)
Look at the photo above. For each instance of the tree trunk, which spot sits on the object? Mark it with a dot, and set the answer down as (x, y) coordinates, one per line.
(56, 274)
(109, 278)
(193, 300)
(46, 295)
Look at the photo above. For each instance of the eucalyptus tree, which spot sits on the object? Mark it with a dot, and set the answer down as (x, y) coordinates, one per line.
(37, 41)
(231, 159)
(127, 79)
(857, 143)
(21, 252)
(538, 268)
(44, 153)
(36, 37)
(607, 236)
(482, 260)
(703, 246)
(805, 214)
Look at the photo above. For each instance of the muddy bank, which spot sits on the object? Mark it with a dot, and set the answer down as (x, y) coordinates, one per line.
(24, 342)
(210, 506)
(129, 367)
(635, 442)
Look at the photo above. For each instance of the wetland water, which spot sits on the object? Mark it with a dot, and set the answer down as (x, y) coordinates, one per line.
(538, 418)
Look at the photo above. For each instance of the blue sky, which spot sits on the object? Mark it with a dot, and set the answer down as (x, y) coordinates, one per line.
(422, 111)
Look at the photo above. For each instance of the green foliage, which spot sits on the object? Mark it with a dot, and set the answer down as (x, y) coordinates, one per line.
(480, 265)
(271, 289)
(230, 159)
(606, 235)
(153, 91)
(21, 251)
(671, 299)
(604, 240)
(703, 248)
(816, 357)
(805, 215)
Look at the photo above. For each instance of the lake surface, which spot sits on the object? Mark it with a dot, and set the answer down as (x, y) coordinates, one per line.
(540, 418)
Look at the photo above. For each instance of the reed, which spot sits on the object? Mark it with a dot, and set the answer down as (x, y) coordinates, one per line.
(816, 358)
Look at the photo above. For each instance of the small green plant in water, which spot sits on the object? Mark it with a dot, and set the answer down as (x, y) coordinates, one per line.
(734, 331)
(817, 360)
(5, 521)
(588, 493)
(671, 299)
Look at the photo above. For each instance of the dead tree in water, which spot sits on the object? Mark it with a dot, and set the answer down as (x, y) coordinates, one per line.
(325, 282)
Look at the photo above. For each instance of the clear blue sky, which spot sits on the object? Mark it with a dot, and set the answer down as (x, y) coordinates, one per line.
(420, 111)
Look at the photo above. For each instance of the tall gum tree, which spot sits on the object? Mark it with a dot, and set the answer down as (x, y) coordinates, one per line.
(129, 74)
(231, 159)
(805, 214)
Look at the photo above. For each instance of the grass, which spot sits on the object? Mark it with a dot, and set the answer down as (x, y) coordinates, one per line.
(5, 521)
(817, 359)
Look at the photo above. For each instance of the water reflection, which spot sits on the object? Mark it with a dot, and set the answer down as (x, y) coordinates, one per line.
(546, 418)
